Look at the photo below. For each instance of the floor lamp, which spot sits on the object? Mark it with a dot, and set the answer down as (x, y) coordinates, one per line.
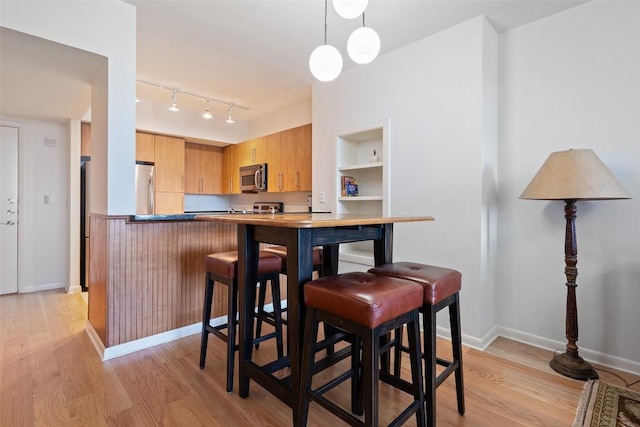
(573, 175)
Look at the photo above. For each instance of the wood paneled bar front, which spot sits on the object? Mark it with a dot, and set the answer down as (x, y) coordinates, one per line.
(147, 277)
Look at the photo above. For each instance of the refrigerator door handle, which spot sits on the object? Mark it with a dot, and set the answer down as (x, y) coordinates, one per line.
(152, 192)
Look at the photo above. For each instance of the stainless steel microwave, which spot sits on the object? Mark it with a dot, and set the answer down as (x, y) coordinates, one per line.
(253, 178)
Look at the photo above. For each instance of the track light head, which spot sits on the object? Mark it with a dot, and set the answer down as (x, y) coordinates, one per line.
(230, 115)
(207, 111)
(174, 106)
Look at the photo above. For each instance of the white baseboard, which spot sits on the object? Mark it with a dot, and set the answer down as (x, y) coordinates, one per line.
(592, 356)
(153, 340)
(481, 344)
(75, 289)
(45, 287)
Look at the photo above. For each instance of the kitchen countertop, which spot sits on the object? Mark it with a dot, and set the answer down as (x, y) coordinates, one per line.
(310, 220)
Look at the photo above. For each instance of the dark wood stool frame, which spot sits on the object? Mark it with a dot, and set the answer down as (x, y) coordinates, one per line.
(230, 336)
(364, 385)
(265, 316)
(429, 354)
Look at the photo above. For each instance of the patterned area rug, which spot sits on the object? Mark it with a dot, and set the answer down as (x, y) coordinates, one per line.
(604, 405)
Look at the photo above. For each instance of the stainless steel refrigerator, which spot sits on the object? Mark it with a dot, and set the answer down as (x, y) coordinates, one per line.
(145, 188)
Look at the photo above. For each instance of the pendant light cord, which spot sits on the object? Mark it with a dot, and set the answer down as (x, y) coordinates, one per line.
(325, 21)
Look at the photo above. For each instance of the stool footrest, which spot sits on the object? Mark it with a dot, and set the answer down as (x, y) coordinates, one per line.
(331, 359)
(450, 368)
(276, 365)
(397, 382)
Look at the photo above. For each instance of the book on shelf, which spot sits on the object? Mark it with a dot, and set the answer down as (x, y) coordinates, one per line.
(348, 186)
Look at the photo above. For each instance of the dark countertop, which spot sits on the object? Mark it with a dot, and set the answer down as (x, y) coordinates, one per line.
(163, 217)
(190, 216)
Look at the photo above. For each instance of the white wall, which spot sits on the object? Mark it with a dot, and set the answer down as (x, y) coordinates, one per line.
(43, 227)
(107, 28)
(572, 81)
(437, 94)
(287, 118)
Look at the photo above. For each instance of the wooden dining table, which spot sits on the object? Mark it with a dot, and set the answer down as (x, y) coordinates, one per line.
(300, 233)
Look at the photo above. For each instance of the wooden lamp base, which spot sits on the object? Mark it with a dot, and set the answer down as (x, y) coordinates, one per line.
(573, 367)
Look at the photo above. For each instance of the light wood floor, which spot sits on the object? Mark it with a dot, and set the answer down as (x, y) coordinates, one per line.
(50, 375)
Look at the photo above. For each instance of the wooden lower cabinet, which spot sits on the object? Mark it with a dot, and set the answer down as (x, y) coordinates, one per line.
(146, 278)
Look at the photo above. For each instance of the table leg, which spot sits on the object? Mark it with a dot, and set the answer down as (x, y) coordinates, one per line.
(248, 250)
(299, 271)
(383, 254)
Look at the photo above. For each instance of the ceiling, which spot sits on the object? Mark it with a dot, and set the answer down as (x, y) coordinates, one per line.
(248, 52)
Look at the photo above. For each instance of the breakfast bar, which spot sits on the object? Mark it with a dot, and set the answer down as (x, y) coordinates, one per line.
(300, 233)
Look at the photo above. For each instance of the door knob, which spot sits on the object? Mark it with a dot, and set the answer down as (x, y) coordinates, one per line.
(10, 223)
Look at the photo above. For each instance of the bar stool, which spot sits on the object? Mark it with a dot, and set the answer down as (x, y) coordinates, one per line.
(222, 267)
(367, 306)
(441, 289)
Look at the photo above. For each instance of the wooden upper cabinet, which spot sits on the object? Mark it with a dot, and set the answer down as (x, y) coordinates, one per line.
(169, 161)
(145, 147)
(85, 139)
(273, 160)
(295, 159)
(231, 169)
(192, 166)
(211, 169)
(168, 202)
(253, 151)
(203, 169)
(288, 158)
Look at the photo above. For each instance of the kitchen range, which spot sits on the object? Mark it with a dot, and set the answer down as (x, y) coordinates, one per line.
(258, 208)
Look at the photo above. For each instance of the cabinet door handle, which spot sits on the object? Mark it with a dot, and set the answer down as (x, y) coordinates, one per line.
(297, 179)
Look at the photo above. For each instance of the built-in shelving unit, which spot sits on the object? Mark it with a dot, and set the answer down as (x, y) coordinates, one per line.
(354, 154)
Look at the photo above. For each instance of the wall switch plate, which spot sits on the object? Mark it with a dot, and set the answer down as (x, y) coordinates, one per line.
(323, 199)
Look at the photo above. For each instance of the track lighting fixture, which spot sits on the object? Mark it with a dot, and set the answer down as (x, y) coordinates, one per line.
(207, 111)
(208, 99)
(363, 44)
(229, 116)
(174, 106)
(325, 61)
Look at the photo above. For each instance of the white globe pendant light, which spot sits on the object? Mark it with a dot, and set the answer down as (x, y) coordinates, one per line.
(325, 63)
(363, 45)
(349, 9)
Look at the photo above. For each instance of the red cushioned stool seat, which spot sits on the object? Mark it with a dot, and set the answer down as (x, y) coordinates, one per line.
(222, 267)
(441, 289)
(367, 306)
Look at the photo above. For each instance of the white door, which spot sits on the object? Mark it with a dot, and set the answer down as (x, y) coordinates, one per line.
(8, 210)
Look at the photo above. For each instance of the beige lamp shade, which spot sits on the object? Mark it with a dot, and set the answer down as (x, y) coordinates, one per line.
(574, 175)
